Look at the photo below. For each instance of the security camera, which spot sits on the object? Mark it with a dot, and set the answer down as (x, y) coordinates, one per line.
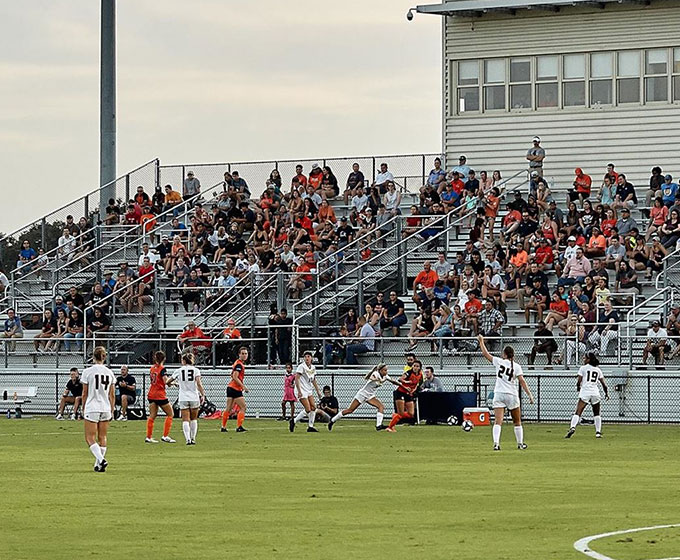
(409, 15)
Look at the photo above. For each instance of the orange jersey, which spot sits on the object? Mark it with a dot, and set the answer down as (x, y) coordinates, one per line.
(412, 381)
(157, 389)
(240, 368)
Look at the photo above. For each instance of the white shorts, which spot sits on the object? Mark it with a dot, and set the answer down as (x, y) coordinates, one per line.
(505, 400)
(97, 416)
(363, 396)
(590, 397)
(304, 393)
(183, 405)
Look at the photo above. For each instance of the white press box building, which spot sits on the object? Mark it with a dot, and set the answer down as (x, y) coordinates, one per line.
(597, 80)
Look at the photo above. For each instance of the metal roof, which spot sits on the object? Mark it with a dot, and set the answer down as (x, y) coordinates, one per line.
(478, 8)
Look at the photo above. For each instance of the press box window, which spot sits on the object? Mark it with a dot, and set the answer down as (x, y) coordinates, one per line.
(547, 90)
(494, 84)
(520, 83)
(574, 85)
(656, 80)
(468, 86)
(601, 71)
(628, 80)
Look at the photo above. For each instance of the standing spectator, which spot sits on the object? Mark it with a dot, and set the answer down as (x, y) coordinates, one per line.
(72, 395)
(12, 329)
(192, 186)
(127, 391)
(657, 344)
(284, 335)
(490, 320)
(544, 343)
(535, 156)
(365, 342)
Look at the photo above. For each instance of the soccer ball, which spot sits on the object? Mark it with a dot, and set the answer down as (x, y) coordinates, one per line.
(452, 420)
(467, 426)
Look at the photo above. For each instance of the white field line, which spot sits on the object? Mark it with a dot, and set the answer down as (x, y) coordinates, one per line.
(582, 544)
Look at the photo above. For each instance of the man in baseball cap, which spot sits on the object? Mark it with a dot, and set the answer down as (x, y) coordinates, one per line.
(535, 156)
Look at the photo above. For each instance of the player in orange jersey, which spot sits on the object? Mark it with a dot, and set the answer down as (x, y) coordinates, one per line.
(159, 399)
(404, 399)
(235, 391)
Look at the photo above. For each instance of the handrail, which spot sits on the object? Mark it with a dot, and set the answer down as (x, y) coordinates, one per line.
(98, 189)
(663, 275)
(633, 311)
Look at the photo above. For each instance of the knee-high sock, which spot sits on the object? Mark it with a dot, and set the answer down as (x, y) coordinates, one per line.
(97, 452)
(395, 419)
(497, 434)
(186, 429)
(312, 416)
(598, 423)
(167, 425)
(379, 418)
(103, 449)
(225, 417)
(574, 421)
(194, 429)
(149, 427)
(337, 417)
(519, 434)
(300, 415)
(239, 418)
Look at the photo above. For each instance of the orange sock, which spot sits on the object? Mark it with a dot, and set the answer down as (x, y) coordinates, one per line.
(149, 427)
(167, 426)
(225, 417)
(239, 419)
(395, 420)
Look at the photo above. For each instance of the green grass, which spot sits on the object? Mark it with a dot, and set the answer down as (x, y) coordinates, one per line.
(425, 492)
(657, 543)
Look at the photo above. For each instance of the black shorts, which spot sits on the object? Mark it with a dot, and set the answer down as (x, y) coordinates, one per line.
(399, 396)
(130, 399)
(159, 402)
(233, 393)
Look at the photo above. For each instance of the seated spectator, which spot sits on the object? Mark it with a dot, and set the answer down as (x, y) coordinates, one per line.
(421, 326)
(607, 328)
(627, 283)
(158, 200)
(364, 343)
(658, 215)
(472, 308)
(75, 329)
(329, 183)
(191, 293)
(492, 283)
(48, 330)
(73, 295)
(97, 298)
(582, 184)
(12, 330)
(382, 178)
(597, 244)
(559, 310)
(657, 344)
(539, 299)
(625, 193)
(303, 278)
(615, 253)
(354, 180)
(315, 178)
(191, 186)
(126, 393)
(544, 343)
(192, 336)
(98, 324)
(489, 320)
(27, 257)
(602, 293)
(431, 383)
(393, 315)
(576, 269)
(670, 231)
(72, 395)
(328, 406)
(625, 224)
(67, 246)
(436, 177)
(113, 213)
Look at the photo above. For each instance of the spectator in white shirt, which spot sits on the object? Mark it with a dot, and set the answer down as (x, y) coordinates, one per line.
(66, 246)
(360, 200)
(153, 257)
(4, 282)
(382, 178)
(442, 266)
(657, 341)
(312, 195)
(462, 168)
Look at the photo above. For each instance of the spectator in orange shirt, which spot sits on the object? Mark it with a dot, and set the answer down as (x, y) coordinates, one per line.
(226, 350)
(194, 336)
(510, 221)
(148, 221)
(172, 199)
(426, 278)
(597, 244)
(315, 176)
(493, 200)
(519, 258)
(141, 197)
(559, 309)
(581, 190)
(300, 176)
(544, 255)
(473, 307)
(303, 279)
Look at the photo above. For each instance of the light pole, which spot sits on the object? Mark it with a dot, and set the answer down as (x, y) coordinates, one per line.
(107, 104)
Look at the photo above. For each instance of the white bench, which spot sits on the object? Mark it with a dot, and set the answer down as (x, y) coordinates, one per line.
(14, 397)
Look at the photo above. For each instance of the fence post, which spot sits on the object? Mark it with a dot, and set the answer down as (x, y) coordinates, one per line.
(649, 398)
(252, 307)
(315, 304)
(538, 398)
(56, 386)
(423, 177)
(157, 175)
(373, 170)
(43, 232)
(127, 188)
(401, 258)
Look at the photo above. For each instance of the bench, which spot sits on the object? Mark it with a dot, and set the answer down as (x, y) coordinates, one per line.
(14, 397)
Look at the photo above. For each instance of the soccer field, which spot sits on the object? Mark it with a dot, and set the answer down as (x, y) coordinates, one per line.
(423, 492)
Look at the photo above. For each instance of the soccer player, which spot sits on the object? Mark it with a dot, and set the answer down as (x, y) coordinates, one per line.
(99, 398)
(588, 393)
(191, 395)
(404, 399)
(235, 391)
(374, 379)
(159, 399)
(506, 393)
(305, 385)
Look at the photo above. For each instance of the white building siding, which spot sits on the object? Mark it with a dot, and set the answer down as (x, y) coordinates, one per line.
(634, 137)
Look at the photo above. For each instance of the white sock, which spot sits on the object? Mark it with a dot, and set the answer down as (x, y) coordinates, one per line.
(312, 416)
(574, 421)
(519, 434)
(103, 450)
(194, 429)
(379, 418)
(337, 417)
(187, 430)
(300, 415)
(598, 423)
(97, 452)
(496, 434)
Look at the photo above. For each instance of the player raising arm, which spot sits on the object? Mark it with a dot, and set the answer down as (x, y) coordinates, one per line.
(305, 385)
(588, 393)
(404, 394)
(158, 398)
(235, 391)
(506, 393)
(374, 379)
(99, 398)
(191, 395)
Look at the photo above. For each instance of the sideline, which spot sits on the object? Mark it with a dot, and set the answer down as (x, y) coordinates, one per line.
(582, 544)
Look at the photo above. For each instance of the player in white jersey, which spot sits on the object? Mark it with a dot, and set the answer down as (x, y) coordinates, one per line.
(99, 399)
(191, 395)
(374, 379)
(506, 393)
(588, 393)
(305, 385)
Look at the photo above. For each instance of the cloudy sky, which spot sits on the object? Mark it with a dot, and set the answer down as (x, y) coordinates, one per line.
(209, 81)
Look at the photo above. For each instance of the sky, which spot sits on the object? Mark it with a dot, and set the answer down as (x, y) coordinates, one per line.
(209, 81)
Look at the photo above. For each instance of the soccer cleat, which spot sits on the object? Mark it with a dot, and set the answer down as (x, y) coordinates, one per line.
(521, 446)
(150, 440)
(388, 429)
(189, 442)
(291, 425)
(330, 425)
(97, 469)
(103, 465)
(570, 433)
(192, 442)
(280, 418)
(496, 447)
(380, 428)
(59, 417)
(312, 429)
(72, 417)
(167, 439)
(223, 430)
(241, 429)
(598, 434)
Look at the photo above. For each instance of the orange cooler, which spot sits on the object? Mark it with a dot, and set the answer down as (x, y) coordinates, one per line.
(478, 416)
